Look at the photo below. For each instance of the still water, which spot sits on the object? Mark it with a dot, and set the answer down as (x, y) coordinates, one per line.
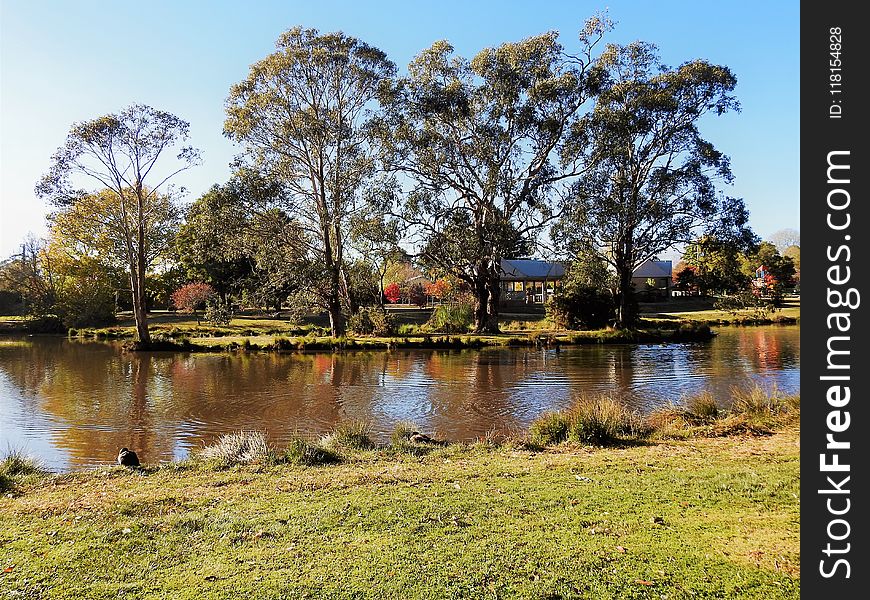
(74, 404)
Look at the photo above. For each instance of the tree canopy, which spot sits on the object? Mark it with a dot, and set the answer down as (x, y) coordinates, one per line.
(480, 141)
(301, 115)
(120, 152)
(650, 179)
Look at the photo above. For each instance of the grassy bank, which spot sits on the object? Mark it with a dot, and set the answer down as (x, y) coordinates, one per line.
(695, 517)
(201, 339)
(701, 311)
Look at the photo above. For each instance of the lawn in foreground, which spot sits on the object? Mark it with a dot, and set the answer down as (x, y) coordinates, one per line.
(702, 518)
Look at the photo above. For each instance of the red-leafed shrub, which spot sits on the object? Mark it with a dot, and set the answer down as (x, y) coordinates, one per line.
(191, 297)
(392, 293)
(440, 290)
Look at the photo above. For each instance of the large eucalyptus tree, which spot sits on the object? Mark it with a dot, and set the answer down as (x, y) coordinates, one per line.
(301, 115)
(131, 205)
(651, 179)
(479, 145)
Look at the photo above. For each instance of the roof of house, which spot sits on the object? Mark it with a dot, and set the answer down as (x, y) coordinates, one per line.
(654, 268)
(531, 269)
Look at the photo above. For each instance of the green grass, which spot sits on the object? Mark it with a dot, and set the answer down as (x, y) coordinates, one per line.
(668, 312)
(646, 521)
(17, 468)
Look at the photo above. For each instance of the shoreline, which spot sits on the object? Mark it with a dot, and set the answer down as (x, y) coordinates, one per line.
(230, 339)
(491, 520)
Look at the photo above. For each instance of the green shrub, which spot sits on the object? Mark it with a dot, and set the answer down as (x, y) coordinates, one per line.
(603, 421)
(217, 311)
(580, 307)
(372, 320)
(455, 317)
(703, 406)
(756, 402)
(408, 329)
(550, 428)
(16, 463)
(353, 435)
(301, 452)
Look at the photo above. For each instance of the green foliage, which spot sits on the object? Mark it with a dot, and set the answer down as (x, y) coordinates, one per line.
(758, 404)
(349, 435)
(715, 265)
(651, 176)
(580, 307)
(455, 317)
(602, 421)
(216, 244)
(301, 452)
(87, 302)
(589, 420)
(549, 429)
(780, 272)
(15, 463)
(479, 139)
(301, 117)
(126, 219)
(703, 406)
(218, 311)
(372, 320)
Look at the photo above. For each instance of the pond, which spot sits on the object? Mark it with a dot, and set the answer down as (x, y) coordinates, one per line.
(73, 404)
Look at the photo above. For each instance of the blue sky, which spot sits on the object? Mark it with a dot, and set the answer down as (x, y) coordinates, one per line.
(62, 62)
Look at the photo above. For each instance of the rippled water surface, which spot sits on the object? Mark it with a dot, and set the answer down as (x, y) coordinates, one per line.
(73, 404)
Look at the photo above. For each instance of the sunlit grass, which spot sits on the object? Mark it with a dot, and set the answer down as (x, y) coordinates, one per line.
(465, 521)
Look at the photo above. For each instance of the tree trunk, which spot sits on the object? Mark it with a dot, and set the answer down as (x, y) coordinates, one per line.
(625, 313)
(481, 295)
(140, 311)
(494, 289)
(336, 317)
(143, 336)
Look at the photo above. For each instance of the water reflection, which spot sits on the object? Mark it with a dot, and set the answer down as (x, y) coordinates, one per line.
(75, 403)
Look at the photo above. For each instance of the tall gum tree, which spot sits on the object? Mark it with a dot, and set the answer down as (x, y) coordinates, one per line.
(120, 152)
(651, 181)
(480, 142)
(301, 116)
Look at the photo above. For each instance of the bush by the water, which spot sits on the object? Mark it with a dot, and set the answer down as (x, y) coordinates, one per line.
(301, 452)
(454, 317)
(237, 448)
(703, 406)
(550, 428)
(16, 465)
(372, 320)
(581, 307)
(353, 435)
(590, 420)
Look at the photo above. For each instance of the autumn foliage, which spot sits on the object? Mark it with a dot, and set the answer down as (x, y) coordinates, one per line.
(392, 293)
(439, 290)
(190, 297)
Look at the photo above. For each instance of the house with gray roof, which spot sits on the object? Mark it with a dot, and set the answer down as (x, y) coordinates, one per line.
(532, 281)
